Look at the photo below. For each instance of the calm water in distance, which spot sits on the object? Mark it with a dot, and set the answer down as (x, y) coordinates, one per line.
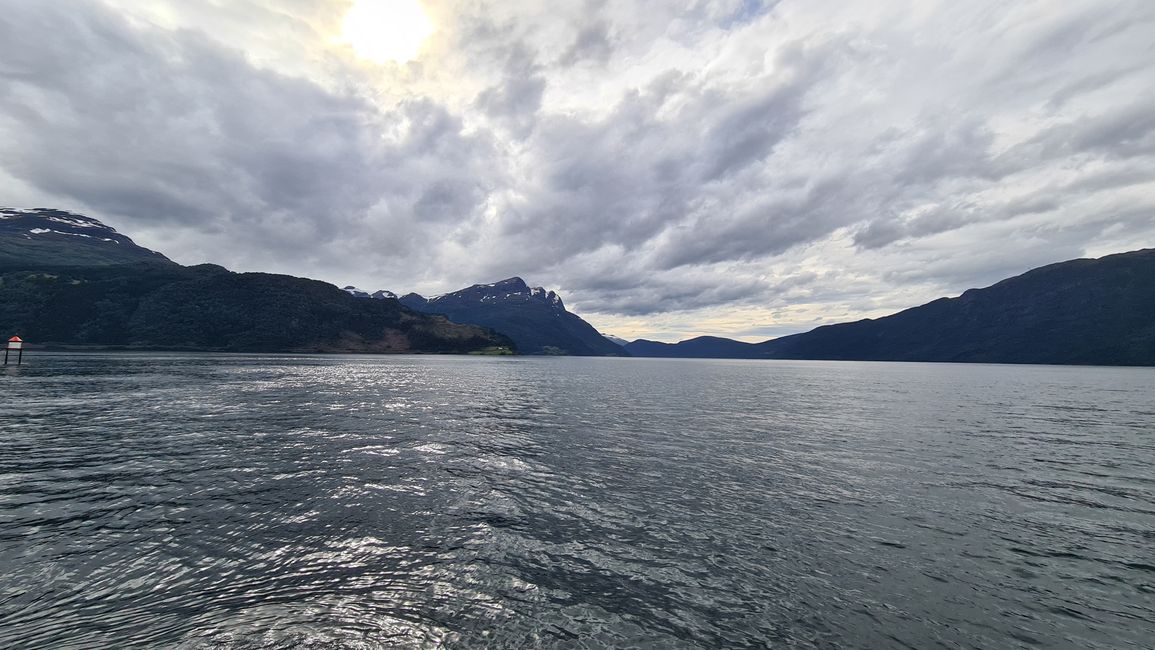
(212, 501)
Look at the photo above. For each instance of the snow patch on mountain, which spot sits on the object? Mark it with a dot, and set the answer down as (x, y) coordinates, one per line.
(614, 339)
(45, 231)
(380, 294)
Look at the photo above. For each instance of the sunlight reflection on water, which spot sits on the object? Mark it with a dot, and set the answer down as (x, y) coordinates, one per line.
(278, 502)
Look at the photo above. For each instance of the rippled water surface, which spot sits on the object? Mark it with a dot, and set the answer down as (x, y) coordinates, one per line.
(200, 501)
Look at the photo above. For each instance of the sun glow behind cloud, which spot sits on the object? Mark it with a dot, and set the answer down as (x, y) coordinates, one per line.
(387, 30)
(672, 169)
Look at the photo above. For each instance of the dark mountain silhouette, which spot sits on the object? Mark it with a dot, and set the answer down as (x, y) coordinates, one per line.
(703, 347)
(536, 319)
(67, 280)
(615, 339)
(1083, 311)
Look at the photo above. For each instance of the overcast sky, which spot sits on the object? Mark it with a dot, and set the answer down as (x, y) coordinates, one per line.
(745, 168)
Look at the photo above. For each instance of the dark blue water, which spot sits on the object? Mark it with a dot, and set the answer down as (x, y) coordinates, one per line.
(280, 502)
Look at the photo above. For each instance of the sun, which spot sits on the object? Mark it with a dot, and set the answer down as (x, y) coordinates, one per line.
(387, 30)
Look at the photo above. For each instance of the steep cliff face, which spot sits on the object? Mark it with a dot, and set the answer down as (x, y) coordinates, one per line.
(535, 318)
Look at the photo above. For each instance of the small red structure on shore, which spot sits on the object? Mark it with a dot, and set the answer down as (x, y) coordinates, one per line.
(15, 343)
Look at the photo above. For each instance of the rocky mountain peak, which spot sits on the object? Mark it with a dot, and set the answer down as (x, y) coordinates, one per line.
(380, 294)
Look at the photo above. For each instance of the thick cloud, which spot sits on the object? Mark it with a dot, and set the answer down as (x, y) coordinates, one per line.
(708, 166)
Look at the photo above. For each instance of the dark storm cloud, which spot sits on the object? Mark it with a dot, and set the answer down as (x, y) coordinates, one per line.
(635, 181)
(747, 131)
(1118, 134)
(170, 126)
(690, 293)
(593, 43)
(1124, 132)
(513, 103)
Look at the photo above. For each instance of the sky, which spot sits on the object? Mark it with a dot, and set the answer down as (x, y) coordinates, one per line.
(742, 168)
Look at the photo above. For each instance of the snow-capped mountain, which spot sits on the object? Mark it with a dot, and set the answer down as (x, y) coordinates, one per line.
(534, 317)
(361, 293)
(513, 290)
(47, 237)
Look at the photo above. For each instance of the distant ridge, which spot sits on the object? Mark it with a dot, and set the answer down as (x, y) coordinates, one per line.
(70, 280)
(615, 339)
(703, 347)
(1086, 311)
(535, 318)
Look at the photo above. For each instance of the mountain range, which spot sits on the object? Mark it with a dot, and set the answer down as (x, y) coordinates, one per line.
(376, 295)
(1087, 311)
(68, 280)
(535, 318)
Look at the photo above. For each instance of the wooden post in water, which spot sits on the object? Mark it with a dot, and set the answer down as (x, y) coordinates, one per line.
(15, 343)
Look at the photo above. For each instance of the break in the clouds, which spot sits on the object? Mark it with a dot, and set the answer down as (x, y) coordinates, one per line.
(732, 167)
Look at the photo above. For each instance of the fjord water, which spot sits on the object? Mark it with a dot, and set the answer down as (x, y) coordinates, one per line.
(328, 502)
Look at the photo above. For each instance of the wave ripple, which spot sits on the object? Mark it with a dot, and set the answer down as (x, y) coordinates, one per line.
(200, 501)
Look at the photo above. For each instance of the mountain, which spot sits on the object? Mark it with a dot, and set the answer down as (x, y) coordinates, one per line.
(356, 293)
(44, 237)
(1085, 311)
(361, 293)
(71, 289)
(1078, 312)
(534, 318)
(616, 339)
(703, 347)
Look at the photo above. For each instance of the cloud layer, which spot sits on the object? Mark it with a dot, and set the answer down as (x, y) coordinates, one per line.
(733, 167)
